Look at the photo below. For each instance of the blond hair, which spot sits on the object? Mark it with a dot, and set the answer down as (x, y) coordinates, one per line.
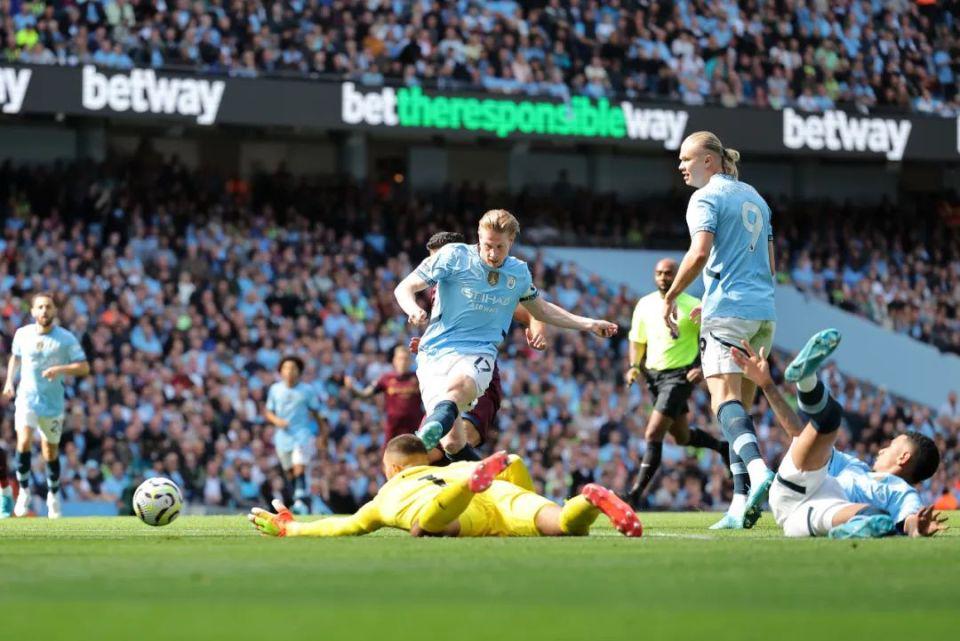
(710, 143)
(500, 221)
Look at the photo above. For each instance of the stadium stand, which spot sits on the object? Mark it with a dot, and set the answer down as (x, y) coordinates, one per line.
(810, 54)
(900, 269)
(186, 289)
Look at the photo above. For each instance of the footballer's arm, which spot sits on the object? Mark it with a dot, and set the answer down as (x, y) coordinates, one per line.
(691, 265)
(77, 369)
(536, 330)
(406, 295)
(13, 366)
(366, 520)
(557, 316)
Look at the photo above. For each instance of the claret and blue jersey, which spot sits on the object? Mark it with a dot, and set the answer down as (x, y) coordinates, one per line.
(474, 302)
(737, 275)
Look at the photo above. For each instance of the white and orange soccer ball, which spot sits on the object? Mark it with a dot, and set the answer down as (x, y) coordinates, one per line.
(157, 501)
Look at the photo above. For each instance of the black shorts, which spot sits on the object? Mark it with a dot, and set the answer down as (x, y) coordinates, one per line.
(671, 390)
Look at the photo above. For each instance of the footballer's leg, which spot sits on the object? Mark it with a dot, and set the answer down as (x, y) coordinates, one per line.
(814, 445)
(24, 430)
(439, 516)
(861, 521)
(657, 426)
(51, 456)
(299, 471)
(6, 491)
(475, 423)
(467, 379)
(621, 515)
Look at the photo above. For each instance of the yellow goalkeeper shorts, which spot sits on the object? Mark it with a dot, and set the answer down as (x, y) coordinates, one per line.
(503, 510)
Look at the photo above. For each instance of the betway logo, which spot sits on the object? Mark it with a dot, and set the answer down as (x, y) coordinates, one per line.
(655, 124)
(410, 107)
(836, 131)
(13, 88)
(142, 91)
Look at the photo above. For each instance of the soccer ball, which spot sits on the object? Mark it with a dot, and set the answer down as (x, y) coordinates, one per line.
(157, 501)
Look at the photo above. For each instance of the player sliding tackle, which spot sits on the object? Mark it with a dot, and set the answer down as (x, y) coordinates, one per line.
(820, 491)
(478, 288)
(494, 497)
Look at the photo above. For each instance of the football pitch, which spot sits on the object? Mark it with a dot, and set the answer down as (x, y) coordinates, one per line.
(215, 578)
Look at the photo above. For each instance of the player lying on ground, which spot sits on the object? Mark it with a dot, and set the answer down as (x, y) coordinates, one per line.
(820, 491)
(478, 288)
(494, 497)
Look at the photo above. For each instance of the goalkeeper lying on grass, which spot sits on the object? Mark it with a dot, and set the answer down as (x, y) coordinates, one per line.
(494, 497)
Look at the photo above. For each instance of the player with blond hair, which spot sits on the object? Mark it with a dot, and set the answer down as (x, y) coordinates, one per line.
(477, 289)
(732, 244)
(493, 497)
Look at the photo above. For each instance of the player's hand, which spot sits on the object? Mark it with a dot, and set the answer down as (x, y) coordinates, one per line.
(670, 317)
(754, 365)
(632, 375)
(930, 522)
(603, 329)
(414, 344)
(349, 382)
(537, 341)
(282, 423)
(50, 373)
(695, 314)
(418, 318)
(270, 524)
(694, 375)
(8, 392)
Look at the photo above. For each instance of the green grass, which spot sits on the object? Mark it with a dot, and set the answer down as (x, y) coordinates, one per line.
(214, 578)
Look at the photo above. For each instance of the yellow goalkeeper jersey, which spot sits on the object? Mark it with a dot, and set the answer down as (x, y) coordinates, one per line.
(508, 508)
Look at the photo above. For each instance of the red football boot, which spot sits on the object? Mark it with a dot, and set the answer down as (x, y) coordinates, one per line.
(487, 470)
(617, 510)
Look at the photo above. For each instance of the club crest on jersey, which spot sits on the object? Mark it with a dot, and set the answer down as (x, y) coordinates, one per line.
(511, 282)
(493, 278)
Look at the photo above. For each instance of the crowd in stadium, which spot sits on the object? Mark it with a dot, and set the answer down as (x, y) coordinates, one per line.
(186, 290)
(809, 54)
(901, 271)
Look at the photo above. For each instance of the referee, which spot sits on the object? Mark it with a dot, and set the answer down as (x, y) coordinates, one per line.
(672, 368)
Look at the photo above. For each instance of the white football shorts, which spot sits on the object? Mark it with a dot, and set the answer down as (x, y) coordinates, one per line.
(804, 503)
(434, 376)
(301, 454)
(718, 335)
(50, 427)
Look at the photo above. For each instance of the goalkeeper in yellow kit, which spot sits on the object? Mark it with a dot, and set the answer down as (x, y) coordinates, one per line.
(494, 497)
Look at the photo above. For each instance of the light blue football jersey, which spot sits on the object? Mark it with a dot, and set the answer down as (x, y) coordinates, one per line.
(293, 404)
(37, 352)
(887, 492)
(474, 302)
(737, 275)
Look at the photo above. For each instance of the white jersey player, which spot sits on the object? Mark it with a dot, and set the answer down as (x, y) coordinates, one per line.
(44, 353)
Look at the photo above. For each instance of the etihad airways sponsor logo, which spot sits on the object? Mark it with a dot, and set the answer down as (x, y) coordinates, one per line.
(836, 131)
(13, 88)
(411, 107)
(141, 91)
